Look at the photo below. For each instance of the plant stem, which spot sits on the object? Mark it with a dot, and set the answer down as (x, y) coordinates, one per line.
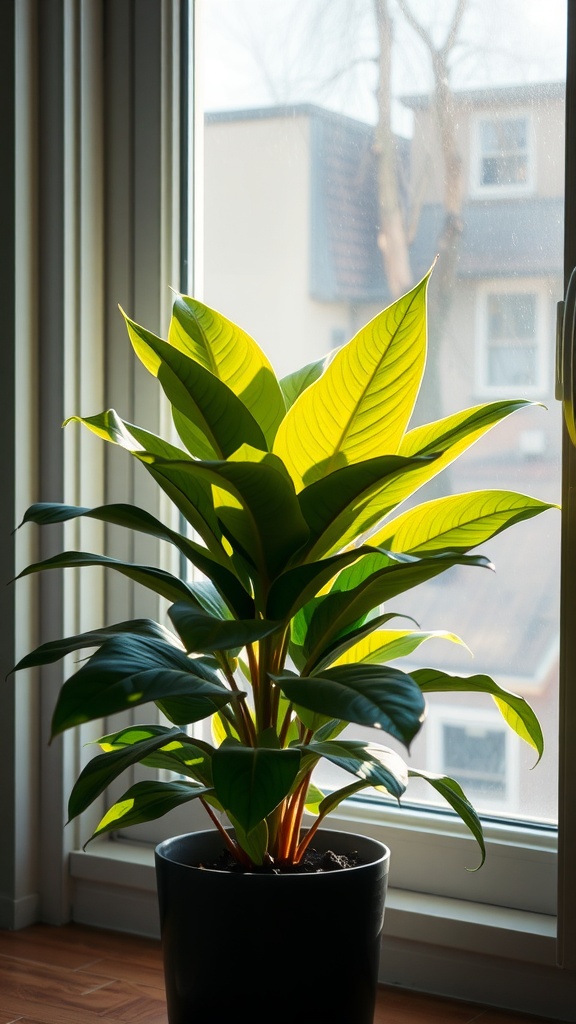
(231, 846)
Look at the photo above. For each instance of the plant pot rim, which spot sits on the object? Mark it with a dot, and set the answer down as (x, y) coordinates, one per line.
(378, 854)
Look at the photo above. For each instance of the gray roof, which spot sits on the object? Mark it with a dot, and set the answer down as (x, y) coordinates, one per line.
(500, 238)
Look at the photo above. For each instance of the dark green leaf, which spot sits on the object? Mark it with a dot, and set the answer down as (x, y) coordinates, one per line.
(202, 632)
(455, 796)
(334, 506)
(345, 608)
(219, 569)
(56, 649)
(262, 517)
(374, 764)
(146, 801)
(161, 582)
(374, 695)
(191, 757)
(104, 768)
(515, 710)
(130, 670)
(210, 418)
(250, 782)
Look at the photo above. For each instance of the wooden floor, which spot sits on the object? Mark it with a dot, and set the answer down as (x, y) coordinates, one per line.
(79, 975)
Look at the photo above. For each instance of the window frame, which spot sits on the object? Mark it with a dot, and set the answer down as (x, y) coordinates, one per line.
(442, 934)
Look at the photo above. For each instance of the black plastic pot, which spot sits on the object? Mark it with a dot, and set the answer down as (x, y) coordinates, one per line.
(270, 949)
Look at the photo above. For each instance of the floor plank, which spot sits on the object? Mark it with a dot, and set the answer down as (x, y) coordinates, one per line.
(81, 975)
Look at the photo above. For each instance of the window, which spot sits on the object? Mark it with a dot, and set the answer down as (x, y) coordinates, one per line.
(513, 338)
(504, 159)
(426, 929)
(477, 753)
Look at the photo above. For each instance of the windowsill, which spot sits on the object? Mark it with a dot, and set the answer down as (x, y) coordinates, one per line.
(410, 916)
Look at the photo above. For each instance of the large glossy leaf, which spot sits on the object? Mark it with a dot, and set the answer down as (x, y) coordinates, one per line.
(334, 507)
(373, 695)
(185, 756)
(134, 518)
(56, 649)
(128, 671)
(192, 497)
(256, 504)
(210, 419)
(446, 440)
(201, 632)
(104, 768)
(230, 354)
(146, 801)
(389, 644)
(375, 764)
(295, 587)
(350, 642)
(251, 782)
(361, 405)
(366, 586)
(453, 793)
(515, 710)
(457, 522)
(158, 580)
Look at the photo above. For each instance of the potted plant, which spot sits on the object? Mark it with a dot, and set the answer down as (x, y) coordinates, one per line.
(288, 492)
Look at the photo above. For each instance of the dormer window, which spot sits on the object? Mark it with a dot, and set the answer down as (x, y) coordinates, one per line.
(503, 161)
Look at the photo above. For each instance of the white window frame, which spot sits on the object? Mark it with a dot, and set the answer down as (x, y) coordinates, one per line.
(513, 286)
(477, 188)
(489, 937)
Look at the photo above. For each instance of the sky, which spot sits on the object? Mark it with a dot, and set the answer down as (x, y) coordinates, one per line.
(265, 52)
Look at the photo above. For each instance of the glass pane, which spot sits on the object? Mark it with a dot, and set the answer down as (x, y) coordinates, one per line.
(334, 172)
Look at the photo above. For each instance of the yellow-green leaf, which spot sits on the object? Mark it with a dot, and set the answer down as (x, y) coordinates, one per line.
(360, 406)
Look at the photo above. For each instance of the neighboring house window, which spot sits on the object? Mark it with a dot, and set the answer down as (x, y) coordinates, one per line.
(511, 339)
(477, 754)
(504, 162)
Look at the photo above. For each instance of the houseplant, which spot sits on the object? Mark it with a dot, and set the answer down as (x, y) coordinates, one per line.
(291, 490)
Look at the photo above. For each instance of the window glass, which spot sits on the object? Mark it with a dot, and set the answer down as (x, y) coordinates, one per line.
(504, 151)
(336, 166)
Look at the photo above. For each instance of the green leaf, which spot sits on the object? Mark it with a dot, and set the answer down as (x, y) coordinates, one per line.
(146, 801)
(200, 631)
(376, 765)
(232, 355)
(374, 695)
(295, 383)
(131, 670)
(358, 640)
(104, 768)
(389, 644)
(346, 503)
(210, 418)
(366, 586)
(442, 442)
(515, 710)
(295, 587)
(455, 796)
(158, 580)
(458, 522)
(256, 504)
(251, 782)
(314, 798)
(191, 757)
(361, 405)
(255, 842)
(219, 569)
(193, 498)
(56, 649)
